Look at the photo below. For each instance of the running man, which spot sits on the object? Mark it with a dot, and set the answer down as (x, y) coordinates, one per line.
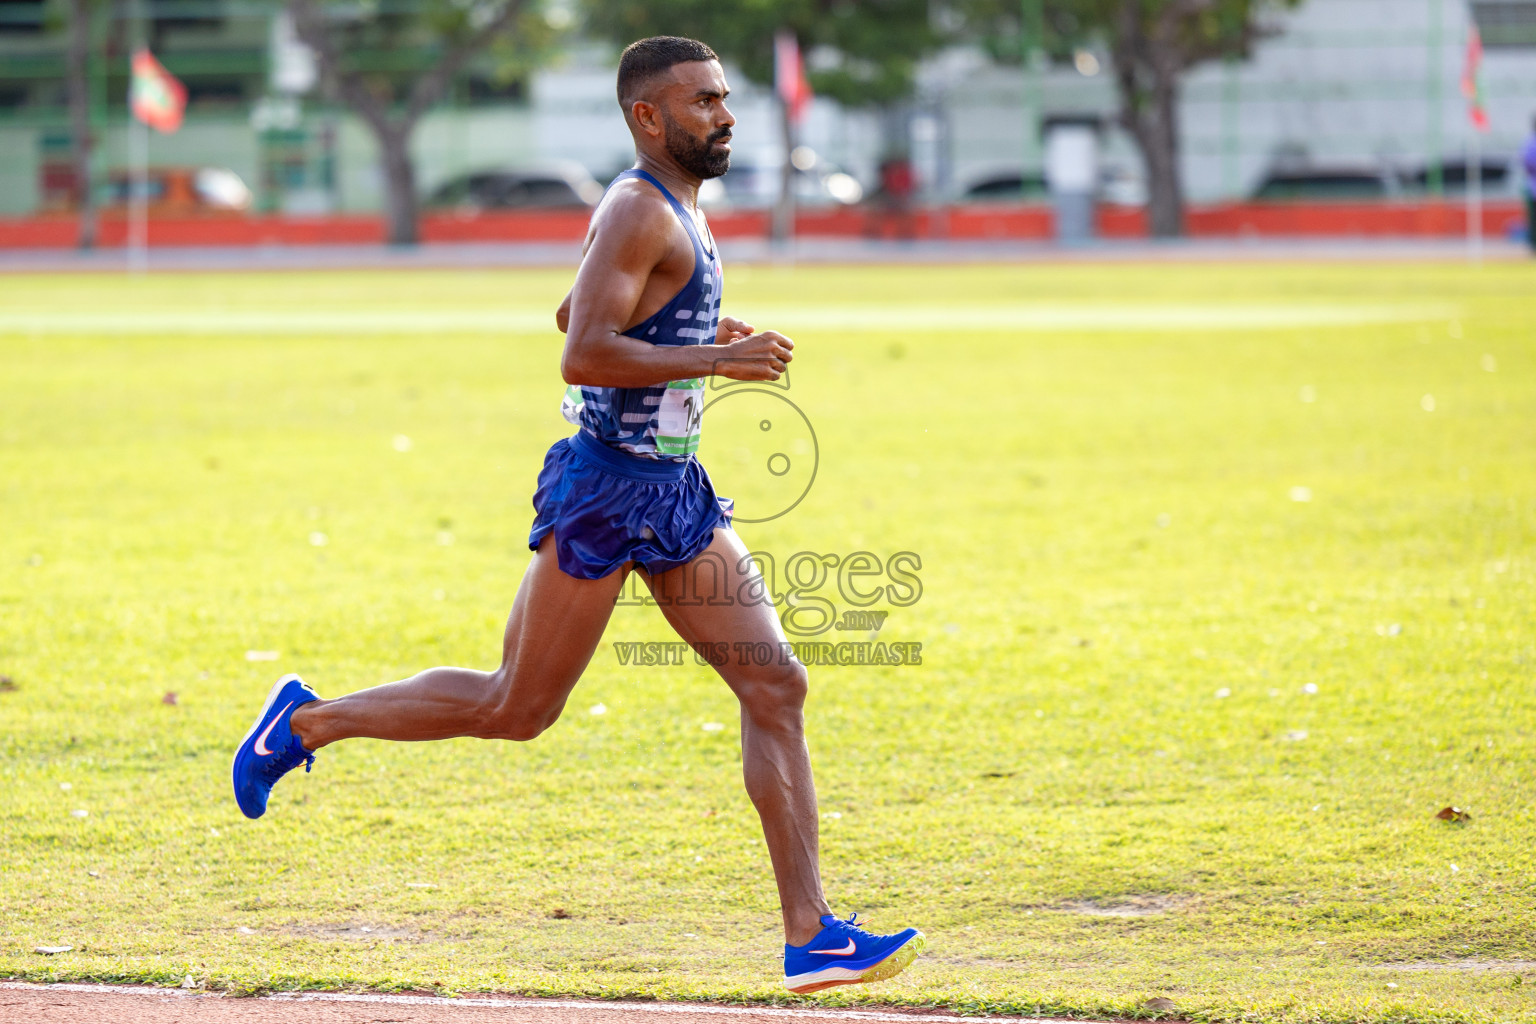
(1528, 164)
(625, 492)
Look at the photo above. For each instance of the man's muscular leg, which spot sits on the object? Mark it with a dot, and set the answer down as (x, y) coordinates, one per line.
(555, 625)
(774, 758)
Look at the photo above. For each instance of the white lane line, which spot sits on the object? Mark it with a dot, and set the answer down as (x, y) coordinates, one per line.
(1026, 317)
(246, 321)
(534, 1004)
(1104, 316)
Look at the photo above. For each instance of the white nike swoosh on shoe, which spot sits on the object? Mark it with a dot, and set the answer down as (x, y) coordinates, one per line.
(839, 952)
(264, 751)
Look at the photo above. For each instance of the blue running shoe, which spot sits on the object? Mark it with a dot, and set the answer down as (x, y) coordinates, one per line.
(271, 750)
(844, 954)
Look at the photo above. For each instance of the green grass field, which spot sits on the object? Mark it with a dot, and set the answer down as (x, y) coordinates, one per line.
(1227, 587)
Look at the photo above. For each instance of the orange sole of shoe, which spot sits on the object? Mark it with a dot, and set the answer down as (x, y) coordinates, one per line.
(885, 969)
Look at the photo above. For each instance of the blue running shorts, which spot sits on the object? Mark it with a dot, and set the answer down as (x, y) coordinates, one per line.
(606, 507)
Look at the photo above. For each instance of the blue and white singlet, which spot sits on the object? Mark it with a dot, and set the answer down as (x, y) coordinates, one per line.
(662, 421)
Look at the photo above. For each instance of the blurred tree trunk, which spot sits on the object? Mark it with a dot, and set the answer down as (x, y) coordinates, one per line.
(372, 99)
(78, 85)
(1149, 110)
(402, 209)
(782, 226)
(1153, 44)
(1165, 180)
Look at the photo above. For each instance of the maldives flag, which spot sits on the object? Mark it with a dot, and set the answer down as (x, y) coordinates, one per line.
(156, 97)
(1472, 82)
(789, 74)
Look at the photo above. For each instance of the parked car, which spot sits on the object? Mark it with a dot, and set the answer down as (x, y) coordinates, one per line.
(1116, 186)
(1497, 176)
(1324, 183)
(555, 186)
(1009, 186)
(754, 186)
(179, 191)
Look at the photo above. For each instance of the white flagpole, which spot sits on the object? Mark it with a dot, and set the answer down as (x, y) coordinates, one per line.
(138, 194)
(138, 158)
(1475, 198)
(782, 230)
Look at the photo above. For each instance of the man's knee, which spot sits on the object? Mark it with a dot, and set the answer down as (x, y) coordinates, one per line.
(510, 719)
(775, 695)
(518, 725)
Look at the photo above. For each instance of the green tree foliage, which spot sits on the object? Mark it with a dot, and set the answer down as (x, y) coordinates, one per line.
(357, 46)
(862, 53)
(1152, 43)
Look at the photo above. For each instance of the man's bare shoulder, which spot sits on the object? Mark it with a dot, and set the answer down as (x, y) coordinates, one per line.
(632, 205)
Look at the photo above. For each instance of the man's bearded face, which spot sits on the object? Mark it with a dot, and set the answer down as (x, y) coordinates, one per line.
(699, 157)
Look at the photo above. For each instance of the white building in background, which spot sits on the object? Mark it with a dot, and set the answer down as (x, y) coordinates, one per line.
(1357, 83)
(1366, 83)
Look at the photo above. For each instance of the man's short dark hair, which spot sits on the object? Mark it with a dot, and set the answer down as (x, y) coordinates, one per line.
(644, 59)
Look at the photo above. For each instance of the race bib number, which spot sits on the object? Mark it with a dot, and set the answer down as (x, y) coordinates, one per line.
(681, 417)
(572, 404)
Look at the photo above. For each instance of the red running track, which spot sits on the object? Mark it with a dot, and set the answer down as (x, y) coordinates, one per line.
(121, 1004)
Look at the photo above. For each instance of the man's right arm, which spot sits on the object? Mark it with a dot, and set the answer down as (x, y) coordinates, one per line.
(632, 237)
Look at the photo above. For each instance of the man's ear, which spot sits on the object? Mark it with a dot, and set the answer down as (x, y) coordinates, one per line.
(647, 115)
